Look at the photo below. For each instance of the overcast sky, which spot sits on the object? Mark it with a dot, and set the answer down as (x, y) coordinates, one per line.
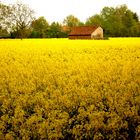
(57, 10)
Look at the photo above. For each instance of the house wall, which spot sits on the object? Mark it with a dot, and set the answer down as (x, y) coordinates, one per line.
(97, 34)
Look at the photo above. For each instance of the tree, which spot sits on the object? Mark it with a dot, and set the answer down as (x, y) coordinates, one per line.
(3, 33)
(39, 28)
(4, 13)
(18, 19)
(94, 20)
(116, 22)
(55, 31)
(119, 21)
(107, 15)
(71, 21)
(129, 21)
(138, 28)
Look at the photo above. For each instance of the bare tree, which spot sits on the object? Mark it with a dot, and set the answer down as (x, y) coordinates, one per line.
(20, 19)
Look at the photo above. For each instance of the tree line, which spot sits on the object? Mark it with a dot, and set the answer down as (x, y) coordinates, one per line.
(18, 21)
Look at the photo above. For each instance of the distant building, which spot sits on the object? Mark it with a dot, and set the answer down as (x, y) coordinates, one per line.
(86, 32)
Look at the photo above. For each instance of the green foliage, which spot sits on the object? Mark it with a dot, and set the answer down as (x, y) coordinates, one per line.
(71, 21)
(94, 20)
(55, 31)
(39, 28)
(116, 22)
(3, 33)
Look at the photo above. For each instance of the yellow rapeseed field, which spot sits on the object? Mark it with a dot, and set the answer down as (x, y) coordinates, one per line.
(70, 89)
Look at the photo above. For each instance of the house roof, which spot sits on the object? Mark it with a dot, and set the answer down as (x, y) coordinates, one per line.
(83, 30)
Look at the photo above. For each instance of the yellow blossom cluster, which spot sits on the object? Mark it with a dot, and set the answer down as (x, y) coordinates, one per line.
(70, 89)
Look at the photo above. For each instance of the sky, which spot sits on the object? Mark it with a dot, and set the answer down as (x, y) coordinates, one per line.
(57, 10)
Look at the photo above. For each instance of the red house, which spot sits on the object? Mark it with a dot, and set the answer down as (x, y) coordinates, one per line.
(86, 32)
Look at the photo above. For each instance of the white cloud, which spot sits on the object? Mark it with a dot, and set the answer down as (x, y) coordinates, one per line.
(57, 10)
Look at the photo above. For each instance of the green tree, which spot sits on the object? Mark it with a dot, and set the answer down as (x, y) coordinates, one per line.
(119, 21)
(107, 15)
(94, 20)
(3, 33)
(138, 25)
(71, 21)
(55, 31)
(130, 23)
(39, 28)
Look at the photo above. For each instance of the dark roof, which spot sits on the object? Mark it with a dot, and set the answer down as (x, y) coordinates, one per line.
(83, 30)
